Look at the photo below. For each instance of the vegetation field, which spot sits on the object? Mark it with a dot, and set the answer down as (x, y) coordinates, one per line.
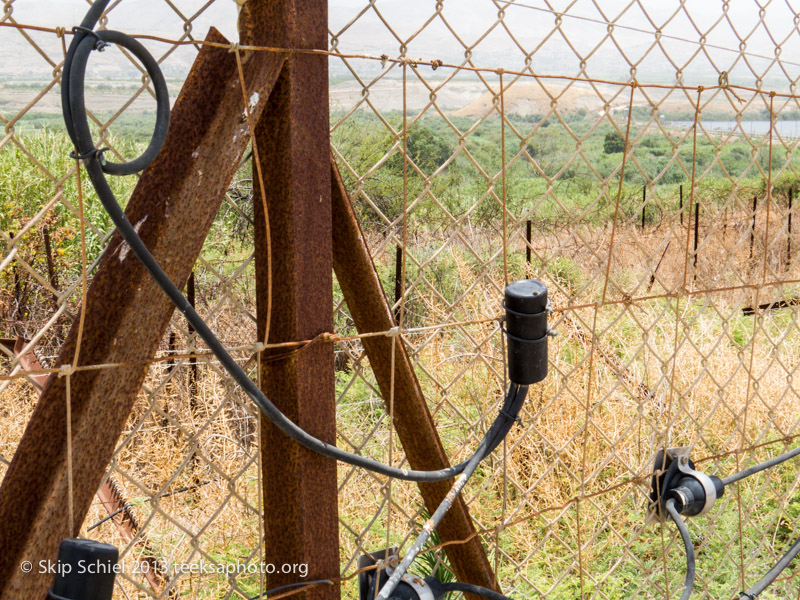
(654, 348)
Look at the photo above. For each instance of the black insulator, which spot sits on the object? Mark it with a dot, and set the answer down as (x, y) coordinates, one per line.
(526, 329)
(690, 496)
(86, 571)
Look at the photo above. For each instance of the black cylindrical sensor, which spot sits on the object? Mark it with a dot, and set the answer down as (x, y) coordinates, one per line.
(85, 571)
(526, 329)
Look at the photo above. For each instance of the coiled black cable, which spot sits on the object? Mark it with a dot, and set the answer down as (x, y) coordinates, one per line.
(74, 111)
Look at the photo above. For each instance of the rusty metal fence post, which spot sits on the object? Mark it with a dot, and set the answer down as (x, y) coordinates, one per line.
(293, 144)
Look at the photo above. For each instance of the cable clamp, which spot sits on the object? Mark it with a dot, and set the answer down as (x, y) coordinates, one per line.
(99, 44)
(98, 152)
(527, 315)
(747, 595)
(524, 340)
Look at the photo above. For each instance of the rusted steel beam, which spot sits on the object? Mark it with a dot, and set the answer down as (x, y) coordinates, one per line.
(109, 495)
(293, 145)
(416, 430)
(125, 521)
(27, 360)
(174, 204)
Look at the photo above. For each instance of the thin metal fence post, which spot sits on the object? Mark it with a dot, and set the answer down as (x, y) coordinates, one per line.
(789, 236)
(696, 235)
(398, 281)
(528, 246)
(644, 204)
(753, 225)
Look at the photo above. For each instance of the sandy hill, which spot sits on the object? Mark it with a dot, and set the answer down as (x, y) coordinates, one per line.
(528, 98)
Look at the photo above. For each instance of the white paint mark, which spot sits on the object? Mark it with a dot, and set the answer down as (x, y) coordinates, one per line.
(196, 153)
(124, 248)
(254, 98)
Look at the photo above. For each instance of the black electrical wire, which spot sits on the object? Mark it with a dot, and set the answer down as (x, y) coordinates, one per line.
(688, 583)
(74, 110)
(762, 466)
(773, 573)
(513, 403)
(468, 588)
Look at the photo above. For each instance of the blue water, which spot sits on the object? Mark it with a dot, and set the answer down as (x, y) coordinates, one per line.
(757, 128)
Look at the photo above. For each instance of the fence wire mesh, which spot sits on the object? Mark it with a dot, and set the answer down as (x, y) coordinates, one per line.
(641, 159)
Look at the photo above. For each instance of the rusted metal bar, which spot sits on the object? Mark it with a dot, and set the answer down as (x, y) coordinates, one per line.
(126, 314)
(27, 360)
(292, 146)
(109, 495)
(413, 422)
(658, 266)
(787, 303)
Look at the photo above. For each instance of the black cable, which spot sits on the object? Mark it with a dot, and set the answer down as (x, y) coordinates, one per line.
(761, 467)
(477, 590)
(688, 583)
(73, 107)
(773, 573)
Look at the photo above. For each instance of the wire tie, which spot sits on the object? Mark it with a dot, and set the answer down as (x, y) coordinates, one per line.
(234, 47)
(60, 32)
(393, 332)
(65, 370)
(91, 153)
(99, 44)
(259, 347)
(510, 417)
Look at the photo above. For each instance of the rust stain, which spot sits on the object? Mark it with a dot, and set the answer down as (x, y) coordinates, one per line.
(126, 313)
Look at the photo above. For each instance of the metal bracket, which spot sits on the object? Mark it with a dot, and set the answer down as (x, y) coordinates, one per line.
(675, 477)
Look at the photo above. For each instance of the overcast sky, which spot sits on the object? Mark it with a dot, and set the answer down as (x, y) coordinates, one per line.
(531, 22)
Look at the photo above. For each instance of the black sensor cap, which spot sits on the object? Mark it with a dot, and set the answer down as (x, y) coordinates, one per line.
(85, 570)
(526, 326)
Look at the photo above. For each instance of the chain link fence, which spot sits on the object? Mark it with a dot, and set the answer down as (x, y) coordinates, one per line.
(641, 160)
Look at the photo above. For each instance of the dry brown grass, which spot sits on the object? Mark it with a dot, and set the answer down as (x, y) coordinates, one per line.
(626, 379)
